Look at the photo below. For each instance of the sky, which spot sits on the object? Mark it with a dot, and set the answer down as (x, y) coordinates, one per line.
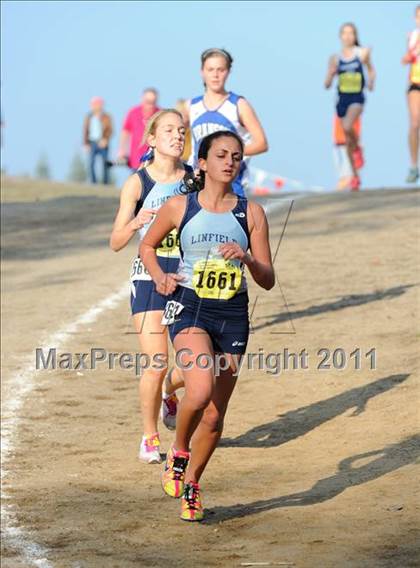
(56, 55)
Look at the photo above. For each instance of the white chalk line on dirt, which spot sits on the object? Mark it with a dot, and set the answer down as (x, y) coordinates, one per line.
(22, 383)
(20, 386)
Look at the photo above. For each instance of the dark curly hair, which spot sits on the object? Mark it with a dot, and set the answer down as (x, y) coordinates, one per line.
(193, 183)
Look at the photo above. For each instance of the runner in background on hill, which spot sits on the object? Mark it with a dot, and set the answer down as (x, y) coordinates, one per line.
(219, 109)
(348, 66)
(412, 58)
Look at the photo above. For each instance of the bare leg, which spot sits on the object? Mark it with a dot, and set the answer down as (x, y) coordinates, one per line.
(413, 99)
(173, 381)
(208, 433)
(352, 141)
(153, 339)
(199, 384)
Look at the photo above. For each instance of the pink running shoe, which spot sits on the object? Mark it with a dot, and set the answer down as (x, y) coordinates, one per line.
(168, 411)
(149, 451)
(355, 183)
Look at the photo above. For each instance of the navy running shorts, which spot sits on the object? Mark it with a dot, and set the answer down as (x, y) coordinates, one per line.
(225, 321)
(144, 297)
(345, 100)
(413, 87)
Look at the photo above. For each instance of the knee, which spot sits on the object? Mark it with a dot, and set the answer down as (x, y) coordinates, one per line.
(348, 130)
(415, 123)
(213, 419)
(154, 374)
(197, 401)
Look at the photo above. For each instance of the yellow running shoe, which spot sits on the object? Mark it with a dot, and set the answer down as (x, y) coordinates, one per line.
(173, 474)
(191, 506)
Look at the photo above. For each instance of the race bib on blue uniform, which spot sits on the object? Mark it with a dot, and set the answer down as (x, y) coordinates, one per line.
(139, 271)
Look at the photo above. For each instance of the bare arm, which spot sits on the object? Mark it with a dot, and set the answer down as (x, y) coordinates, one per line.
(190, 159)
(250, 121)
(408, 58)
(366, 59)
(331, 71)
(259, 261)
(125, 224)
(167, 218)
(411, 54)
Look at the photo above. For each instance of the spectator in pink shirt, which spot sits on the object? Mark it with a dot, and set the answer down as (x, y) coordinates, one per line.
(134, 127)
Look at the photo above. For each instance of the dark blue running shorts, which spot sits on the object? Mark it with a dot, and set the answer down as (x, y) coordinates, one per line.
(345, 100)
(144, 297)
(225, 321)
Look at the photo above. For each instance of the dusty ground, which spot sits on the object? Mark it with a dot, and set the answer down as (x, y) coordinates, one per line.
(317, 468)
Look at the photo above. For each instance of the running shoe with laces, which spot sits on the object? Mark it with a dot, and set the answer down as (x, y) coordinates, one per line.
(168, 410)
(191, 506)
(358, 158)
(174, 472)
(149, 450)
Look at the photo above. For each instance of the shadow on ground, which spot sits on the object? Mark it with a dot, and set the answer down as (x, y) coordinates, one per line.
(348, 474)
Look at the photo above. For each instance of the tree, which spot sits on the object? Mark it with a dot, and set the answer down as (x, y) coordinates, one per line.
(42, 169)
(77, 171)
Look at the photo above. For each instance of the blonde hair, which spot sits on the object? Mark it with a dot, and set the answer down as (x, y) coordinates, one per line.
(180, 104)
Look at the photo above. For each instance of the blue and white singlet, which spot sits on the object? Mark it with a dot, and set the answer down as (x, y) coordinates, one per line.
(225, 117)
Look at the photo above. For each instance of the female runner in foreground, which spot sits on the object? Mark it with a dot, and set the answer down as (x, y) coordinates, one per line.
(141, 197)
(348, 66)
(216, 228)
(219, 109)
(412, 58)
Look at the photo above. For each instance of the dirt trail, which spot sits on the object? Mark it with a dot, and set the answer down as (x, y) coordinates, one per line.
(316, 468)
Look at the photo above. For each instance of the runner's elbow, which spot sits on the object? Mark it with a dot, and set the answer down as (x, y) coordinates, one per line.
(271, 280)
(270, 284)
(264, 146)
(114, 244)
(143, 250)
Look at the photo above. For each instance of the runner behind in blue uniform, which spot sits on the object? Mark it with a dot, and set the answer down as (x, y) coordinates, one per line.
(348, 66)
(141, 197)
(219, 109)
